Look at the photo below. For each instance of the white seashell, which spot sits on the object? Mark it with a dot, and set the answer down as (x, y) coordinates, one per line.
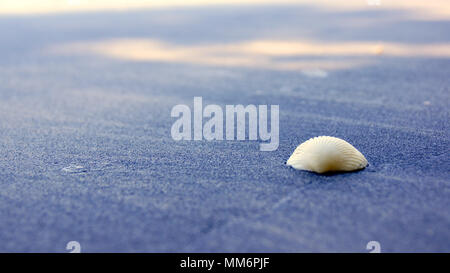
(326, 154)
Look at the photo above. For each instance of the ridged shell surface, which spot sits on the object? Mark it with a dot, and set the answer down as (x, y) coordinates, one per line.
(326, 154)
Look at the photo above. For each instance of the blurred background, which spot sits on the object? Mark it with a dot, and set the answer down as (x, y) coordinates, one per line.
(86, 89)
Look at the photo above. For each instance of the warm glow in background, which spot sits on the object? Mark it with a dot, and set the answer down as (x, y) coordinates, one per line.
(436, 9)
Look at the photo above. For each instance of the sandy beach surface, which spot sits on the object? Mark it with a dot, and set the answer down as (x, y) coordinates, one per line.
(86, 152)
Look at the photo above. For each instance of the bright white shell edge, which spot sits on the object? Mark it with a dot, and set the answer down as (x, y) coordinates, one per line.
(326, 154)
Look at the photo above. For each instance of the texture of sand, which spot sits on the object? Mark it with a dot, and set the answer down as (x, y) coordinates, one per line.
(86, 153)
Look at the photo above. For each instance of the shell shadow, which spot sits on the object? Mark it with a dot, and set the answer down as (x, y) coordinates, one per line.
(333, 173)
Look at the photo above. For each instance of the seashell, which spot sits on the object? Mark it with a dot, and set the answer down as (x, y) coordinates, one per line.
(326, 154)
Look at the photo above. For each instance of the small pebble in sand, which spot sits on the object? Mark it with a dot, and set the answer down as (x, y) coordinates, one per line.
(315, 73)
(74, 169)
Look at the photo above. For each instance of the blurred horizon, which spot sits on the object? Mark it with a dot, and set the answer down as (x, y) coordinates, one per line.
(86, 148)
(351, 33)
(426, 10)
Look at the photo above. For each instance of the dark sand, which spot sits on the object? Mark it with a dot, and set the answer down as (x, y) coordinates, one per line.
(138, 190)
